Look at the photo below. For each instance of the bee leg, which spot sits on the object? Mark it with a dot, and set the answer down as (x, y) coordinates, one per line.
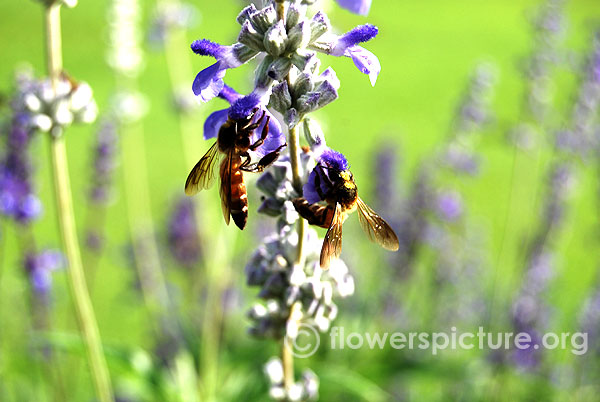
(253, 126)
(318, 185)
(263, 135)
(245, 165)
(263, 163)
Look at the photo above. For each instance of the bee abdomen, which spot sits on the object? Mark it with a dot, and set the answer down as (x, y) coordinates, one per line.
(315, 214)
(239, 198)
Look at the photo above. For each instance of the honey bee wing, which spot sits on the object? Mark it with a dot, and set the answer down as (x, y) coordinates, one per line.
(376, 228)
(332, 245)
(225, 189)
(203, 174)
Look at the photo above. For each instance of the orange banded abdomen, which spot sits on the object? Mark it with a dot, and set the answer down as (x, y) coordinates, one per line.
(238, 203)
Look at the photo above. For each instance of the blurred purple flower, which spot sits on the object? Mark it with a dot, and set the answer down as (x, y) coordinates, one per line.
(449, 205)
(386, 180)
(17, 199)
(361, 7)
(39, 267)
(184, 243)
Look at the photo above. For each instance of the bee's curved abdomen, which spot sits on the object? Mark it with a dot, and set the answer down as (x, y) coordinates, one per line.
(315, 214)
(238, 199)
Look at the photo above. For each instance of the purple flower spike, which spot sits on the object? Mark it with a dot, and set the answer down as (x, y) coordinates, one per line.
(360, 7)
(184, 242)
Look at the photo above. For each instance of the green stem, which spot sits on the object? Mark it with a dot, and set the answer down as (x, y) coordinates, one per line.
(287, 358)
(83, 305)
(66, 220)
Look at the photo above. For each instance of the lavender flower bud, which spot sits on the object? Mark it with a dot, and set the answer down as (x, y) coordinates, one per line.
(298, 36)
(263, 19)
(319, 25)
(280, 100)
(279, 68)
(244, 15)
(275, 39)
(293, 16)
(251, 38)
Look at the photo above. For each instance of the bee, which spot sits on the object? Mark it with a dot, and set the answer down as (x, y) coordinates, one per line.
(338, 189)
(234, 140)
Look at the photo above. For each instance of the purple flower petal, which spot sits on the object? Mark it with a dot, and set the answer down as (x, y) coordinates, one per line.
(229, 94)
(214, 122)
(334, 159)
(365, 61)
(209, 82)
(361, 33)
(204, 47)
(360, 7)
(244, 106)
(309, 190)
(274, 140)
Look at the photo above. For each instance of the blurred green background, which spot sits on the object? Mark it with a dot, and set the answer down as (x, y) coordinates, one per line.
(428, 50)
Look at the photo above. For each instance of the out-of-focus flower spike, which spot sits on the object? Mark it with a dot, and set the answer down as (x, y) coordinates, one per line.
(183, 234)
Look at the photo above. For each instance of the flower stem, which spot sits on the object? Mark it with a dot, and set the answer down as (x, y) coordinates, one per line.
(280, 9)
(287, 358)
(294, 147)
(66, 220)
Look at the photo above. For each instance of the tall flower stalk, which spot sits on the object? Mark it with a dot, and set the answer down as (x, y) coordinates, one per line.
(66, 218)
(288, 86)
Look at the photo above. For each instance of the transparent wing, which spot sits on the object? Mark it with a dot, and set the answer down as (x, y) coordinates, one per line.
(225, 189)
(204, 173)
(376, 228)
(332, 245)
